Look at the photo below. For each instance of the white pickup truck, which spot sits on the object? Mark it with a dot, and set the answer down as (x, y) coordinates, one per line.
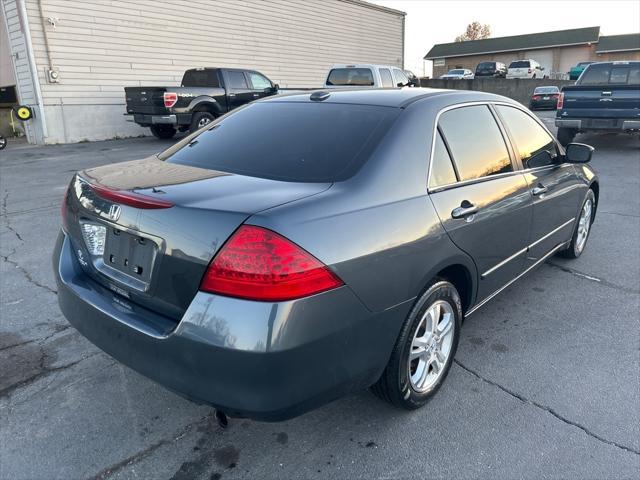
(366, 75)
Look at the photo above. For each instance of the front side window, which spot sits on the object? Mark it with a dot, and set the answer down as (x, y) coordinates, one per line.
(237, 80)
(442, 172)
(475, 142)
(385, 76)
(259, 82)
(362, 77)
(534, 145)
(400, 77)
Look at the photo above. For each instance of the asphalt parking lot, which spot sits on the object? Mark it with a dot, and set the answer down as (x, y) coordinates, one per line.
(546, 382)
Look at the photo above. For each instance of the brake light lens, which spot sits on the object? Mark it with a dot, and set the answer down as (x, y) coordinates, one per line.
(259, 264)
(170, 99)
(561, 101)
(131, 199)
(536, 97)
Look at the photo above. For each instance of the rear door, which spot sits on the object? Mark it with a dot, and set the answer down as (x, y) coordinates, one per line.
(238, 90)
(487, 208)
(555, 187)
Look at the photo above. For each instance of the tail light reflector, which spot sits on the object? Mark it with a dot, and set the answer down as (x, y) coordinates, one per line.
(536, 97)
(131, 199)
(561, 101)
(170, 99)
(259, 264)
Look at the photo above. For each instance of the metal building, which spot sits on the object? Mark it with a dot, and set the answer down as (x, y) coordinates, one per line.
(71, 59)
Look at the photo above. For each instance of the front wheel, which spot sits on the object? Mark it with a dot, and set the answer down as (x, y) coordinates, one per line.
(424, 351)
(582, 227)
(566, 135)
(163, 132)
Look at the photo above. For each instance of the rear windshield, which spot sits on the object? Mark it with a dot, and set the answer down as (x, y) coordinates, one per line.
(456, 72)
(293, 142)
(200, 78)
(350, 76)
(584, 64)
(546, 90)
(520, 64)
(610, 74)
(486, 65)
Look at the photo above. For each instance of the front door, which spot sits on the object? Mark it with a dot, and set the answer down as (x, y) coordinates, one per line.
(555, 187)
(485, 203)
(260, 85)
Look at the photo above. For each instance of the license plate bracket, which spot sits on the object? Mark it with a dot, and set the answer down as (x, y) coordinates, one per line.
(130, 254)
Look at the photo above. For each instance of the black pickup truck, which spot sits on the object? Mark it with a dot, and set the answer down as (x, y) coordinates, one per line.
(203, 94)
(606, 98)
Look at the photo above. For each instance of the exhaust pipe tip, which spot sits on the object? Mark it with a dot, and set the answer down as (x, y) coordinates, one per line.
(222, 419)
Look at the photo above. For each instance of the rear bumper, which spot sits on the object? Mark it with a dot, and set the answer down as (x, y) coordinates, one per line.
(267, 361)
(145, 120)
(602, 124)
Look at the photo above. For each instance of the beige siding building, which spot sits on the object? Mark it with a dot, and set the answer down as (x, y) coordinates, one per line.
(94, 48)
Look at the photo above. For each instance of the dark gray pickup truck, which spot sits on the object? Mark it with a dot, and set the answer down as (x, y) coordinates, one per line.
(203, 95)
(606, 98)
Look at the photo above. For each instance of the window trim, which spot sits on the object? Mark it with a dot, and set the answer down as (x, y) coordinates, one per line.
(518, 167)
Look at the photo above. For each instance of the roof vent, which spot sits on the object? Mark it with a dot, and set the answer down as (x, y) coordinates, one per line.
(319, 96)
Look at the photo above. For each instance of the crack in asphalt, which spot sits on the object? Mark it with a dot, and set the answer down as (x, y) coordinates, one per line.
(142, 454)
(40, 341)
(591, 278)
(44, 372)
(620, 214)
(547, 409)
(26, 274)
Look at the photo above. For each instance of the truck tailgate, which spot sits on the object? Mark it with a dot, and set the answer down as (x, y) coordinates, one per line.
(145, 100)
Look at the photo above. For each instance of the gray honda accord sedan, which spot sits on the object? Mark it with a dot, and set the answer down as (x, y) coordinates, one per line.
(311, 245)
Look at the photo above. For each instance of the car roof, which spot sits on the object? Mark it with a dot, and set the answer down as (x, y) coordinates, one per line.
(362, 65)
(385, 97)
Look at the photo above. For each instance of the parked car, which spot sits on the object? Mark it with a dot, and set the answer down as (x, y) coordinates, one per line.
(365, 76)
(525, 69)
(414, 81)
(203, 95)
(458, 74)
(606, 98)
(576, 71)
(303, 247)
(544, 97)
(491, 69)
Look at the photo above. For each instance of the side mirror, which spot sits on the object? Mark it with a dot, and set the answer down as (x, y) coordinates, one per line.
(578, 153)
(400, 84)
(273, 89)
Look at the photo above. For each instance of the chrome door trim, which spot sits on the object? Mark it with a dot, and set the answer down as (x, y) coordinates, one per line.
(551, 252)
(526, 249)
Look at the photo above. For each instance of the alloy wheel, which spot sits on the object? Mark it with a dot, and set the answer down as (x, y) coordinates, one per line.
(584, 224)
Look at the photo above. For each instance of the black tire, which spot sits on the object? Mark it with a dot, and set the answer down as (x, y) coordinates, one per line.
(575, 249)
(200, 120)
(394, 386)
(566, 135)
(163, 132)
(3, 142)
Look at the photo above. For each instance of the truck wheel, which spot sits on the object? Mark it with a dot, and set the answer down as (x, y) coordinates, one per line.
(201, 119)
(565, 135)
(163, 132)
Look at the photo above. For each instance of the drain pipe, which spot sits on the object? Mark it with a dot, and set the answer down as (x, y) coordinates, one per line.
(24, 21)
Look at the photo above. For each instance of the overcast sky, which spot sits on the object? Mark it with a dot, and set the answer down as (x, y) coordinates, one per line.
(436, 21)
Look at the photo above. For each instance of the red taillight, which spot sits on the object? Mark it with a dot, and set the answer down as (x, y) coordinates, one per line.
(258, 264)
(536, 97)
(130, 198)
(530, 70)
(560, 101)
(170, 99)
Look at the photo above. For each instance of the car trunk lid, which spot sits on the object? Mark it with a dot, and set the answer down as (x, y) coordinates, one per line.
(155, 253)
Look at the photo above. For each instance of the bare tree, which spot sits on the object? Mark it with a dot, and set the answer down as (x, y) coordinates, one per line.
(475, 31)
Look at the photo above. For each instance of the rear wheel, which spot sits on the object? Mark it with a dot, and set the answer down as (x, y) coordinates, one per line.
(201, 119)
(3, 142)
(582, 227)
(424, 350)
(566, 135)
(163, 132)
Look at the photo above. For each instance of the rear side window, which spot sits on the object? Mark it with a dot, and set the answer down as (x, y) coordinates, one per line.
(200, 78)
(442, 172)
(237, 80)
(520, 64)
(350, 76)
(475, 142)
(385, 76)
(294, 142)
(259, 82)
(535, 146)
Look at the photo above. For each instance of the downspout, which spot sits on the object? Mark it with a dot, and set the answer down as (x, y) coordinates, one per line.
(24, 21)
(404, 17)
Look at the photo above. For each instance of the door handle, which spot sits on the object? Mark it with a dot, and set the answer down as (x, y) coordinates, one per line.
(465, 209)
(232, 94)
(539, 190)
(256, 94)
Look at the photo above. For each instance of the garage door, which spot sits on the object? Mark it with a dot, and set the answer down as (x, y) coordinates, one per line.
(544, 58)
